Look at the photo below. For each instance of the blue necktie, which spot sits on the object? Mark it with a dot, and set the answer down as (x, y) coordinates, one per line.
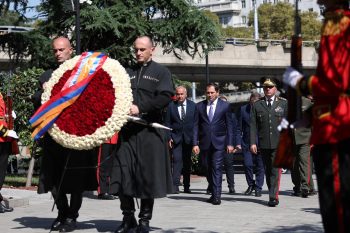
(211, 112)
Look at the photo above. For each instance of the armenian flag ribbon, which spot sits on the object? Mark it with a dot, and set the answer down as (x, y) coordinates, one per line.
(83, 72)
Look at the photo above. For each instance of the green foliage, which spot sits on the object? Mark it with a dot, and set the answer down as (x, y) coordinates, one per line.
(19, 180)
(112, 26)
(239, 32)
(22, 86)
(310, 26)
(276, 21)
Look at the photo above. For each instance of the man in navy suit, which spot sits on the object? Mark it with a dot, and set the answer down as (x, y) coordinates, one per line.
(180, 117)
(251, 161)
(213, 136)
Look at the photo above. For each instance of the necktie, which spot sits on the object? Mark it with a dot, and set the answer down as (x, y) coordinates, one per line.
(211, 112)
(183, 114)
(269, 104)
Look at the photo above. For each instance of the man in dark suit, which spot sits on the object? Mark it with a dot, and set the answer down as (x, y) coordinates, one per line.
(252, 162)
(266, 115)
(213, 136)
(180, 117)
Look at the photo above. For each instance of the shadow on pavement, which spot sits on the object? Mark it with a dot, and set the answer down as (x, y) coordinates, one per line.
(45, 224)
(307, 228)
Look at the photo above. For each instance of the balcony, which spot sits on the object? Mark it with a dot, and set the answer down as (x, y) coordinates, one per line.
(221, 7)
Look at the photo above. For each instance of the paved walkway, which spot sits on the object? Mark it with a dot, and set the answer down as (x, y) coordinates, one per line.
(178, 212)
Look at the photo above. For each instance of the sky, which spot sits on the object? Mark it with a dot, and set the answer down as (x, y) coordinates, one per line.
(32, 12)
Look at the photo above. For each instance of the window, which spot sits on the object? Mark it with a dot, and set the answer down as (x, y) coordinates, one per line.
(243, 4)
(244, 19)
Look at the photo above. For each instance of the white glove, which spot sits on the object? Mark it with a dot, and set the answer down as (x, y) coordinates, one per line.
(291, 77)
(14, 116)
(11, 133)
(283, 125)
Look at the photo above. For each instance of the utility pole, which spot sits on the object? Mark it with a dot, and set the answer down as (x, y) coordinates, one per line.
(77, 27)
(256, 25)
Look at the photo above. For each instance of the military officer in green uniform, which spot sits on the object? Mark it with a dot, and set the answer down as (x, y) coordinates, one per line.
(266, 115)
(302, 169)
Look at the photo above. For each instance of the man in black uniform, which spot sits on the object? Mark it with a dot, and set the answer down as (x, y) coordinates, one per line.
(57, 158)
(141, 165)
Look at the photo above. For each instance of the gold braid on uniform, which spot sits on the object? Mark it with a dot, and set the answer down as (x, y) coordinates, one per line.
(3, 131)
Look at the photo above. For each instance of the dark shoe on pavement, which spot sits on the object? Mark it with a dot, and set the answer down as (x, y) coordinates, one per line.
(57, 223)
(304, 193)
(129, 223)
(257, 193)
(273, 202)
(106, 196)
(69, 225)
(210, 200)
(4, 209)
(216, 201)
(249, 190)
(187, 190)
(296, 194)
(312, 192)
(231, 190)
(143, 227)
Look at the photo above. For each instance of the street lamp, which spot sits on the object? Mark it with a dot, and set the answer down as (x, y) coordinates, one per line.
(74, 5)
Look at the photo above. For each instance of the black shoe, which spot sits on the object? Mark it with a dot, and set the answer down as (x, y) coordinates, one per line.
(210, 200)
(57, 224)
(4, 209)
(69, 225)
(143, 227)
(312, 192)
(231, 190)
(249, 190)
(187, 190)
(208, 191)
(216, 201)
(273, 202)
(106, 196)
(296, 194)
(257, 193)
(129, 223)
(304, 193)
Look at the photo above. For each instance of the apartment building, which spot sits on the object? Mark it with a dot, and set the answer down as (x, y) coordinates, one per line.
(235, 13)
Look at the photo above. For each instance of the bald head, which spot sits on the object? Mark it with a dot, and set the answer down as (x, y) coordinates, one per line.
(62, 49)
(143, 49)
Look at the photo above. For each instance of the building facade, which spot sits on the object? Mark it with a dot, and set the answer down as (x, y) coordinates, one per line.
(235, 13)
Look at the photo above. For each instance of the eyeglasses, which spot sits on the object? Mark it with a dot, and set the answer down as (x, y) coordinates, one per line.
(268, 87)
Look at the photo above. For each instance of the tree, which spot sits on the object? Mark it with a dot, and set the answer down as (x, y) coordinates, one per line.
(112, 25)
(239, 32)
(276, 21)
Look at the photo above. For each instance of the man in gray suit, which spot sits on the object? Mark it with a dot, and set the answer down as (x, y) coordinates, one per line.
(266, 115)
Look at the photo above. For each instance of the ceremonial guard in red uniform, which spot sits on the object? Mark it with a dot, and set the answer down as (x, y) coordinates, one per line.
(5, 147)
(331, 115)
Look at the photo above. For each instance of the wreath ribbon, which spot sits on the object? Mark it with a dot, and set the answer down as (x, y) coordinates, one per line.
(83, 72)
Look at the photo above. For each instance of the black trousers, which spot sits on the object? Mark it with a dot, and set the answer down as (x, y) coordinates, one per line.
(332, 164)
(105, 165)
(4, 155)
(229, 169)
(182, 163)
(70, 210)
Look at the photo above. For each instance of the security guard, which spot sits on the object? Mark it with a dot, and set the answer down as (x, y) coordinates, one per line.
(266, 115)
